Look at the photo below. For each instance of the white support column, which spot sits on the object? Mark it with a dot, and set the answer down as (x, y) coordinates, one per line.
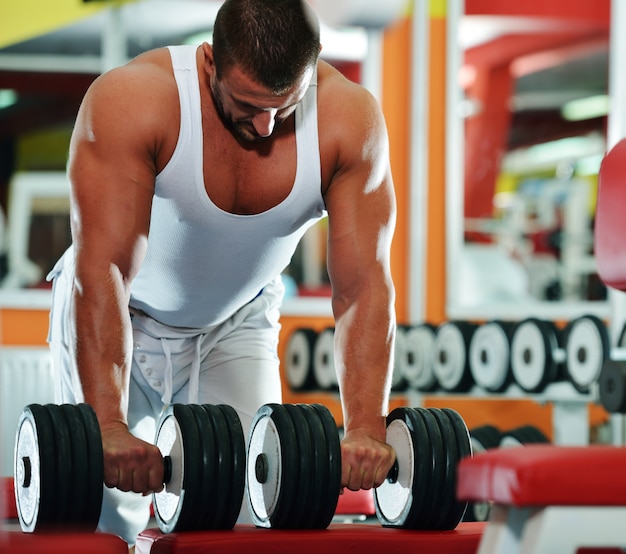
(114, 51)
(418, 176)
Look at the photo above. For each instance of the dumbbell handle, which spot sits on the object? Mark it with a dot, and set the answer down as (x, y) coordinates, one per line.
(167, 469)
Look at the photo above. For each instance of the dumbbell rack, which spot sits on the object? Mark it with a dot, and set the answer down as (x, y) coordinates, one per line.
(570, 408)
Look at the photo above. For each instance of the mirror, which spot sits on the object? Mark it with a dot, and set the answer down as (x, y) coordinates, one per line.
(531, 101)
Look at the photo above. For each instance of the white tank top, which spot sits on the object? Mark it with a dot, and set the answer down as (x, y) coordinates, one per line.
(202, 263)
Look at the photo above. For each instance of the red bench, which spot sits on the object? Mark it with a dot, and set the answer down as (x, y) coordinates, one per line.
(548, 498)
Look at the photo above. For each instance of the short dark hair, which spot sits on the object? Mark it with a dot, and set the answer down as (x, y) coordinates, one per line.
(273, 41)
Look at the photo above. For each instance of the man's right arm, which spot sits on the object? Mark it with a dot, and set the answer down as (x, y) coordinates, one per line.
(112, 171)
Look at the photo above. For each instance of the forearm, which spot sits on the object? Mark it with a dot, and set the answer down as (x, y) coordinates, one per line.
(364, 342)
(103, 345)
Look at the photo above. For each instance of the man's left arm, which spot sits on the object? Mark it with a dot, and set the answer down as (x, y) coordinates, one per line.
(361, 213)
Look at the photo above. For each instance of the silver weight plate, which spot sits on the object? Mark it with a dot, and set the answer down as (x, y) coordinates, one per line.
(534, 354)
(299, 359)
(394, 498)
(490, 356)
(27, 472)
(420, 347)
(169, 502)
(264, 470)
(450, 357)
(324, 360)
(586, 349)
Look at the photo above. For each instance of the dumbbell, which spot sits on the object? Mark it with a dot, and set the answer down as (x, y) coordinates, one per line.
(419, 349)
(59, 468)
(299, 359)
(541, 354)
(451, 359)
(294, 468)
(490, 355)
(324, 360)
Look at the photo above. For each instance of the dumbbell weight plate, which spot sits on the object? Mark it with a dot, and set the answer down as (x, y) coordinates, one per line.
(332, 466)
(490, 355)
(401, 499)
(463, 450)
(324, 360)
(237, 468)
(451, 360)
(398, 381)
(53, 468)
(535, 354)
(319, 479)
(35, 469)
(612, 387)
(420, 347)
(207, 513)
(272, 467)
(587, 347)
(520, 436)
(299, 359)
(178, 439)
(484, 437)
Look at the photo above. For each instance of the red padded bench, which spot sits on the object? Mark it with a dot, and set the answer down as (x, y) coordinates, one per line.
(548, 498)
(337, 539)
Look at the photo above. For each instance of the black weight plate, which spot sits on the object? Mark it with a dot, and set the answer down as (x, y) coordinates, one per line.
(273, 446)
(205, 512)
(300, 517)
(446, 517)
(332, 487)
(95, 486)
(64, 467)
(464, 450)
(438, 471)
(299, 359)
(319, 455)
(400, 500)
(401, 359)
(587, 347)
(175, 506)
(80, 463)
(238, 468)
(485, 437)
(35, 470)
(224, 458)
(612, 386)
(520, 436)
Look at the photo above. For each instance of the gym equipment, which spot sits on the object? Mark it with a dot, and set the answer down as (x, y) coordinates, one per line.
(523, 436)
(536, 355)
(490, 355)
(204, 450)
(324, 360)
(401, 360)
(587, 348)
(612, 386)
(59, 469)
(419, 348)
(548, 498)
(288, 483)
(451, 360)
(299, 361)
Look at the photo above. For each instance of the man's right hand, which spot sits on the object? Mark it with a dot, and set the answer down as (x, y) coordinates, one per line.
(130, 464)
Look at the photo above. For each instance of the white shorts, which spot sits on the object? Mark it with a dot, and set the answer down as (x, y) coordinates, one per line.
(234, 363)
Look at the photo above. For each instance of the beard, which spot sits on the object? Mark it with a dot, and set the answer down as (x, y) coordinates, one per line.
(243, 130)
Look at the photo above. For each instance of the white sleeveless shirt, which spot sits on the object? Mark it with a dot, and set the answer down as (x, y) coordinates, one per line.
(203, 263)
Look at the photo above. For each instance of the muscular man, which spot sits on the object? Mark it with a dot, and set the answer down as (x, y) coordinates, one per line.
(194, 173)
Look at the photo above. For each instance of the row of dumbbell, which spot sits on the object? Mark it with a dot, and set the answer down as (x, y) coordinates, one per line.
(458, 355)
(291, 465)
